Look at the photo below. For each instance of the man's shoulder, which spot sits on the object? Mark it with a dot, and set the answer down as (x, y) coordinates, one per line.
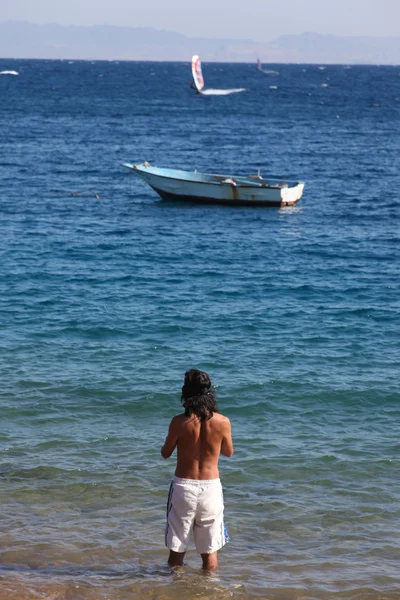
(181, 418)
(219, 418)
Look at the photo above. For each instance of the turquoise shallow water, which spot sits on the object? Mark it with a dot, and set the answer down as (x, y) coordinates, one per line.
(106, 301)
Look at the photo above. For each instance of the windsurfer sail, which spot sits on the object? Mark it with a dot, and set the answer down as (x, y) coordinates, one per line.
(266, 71)
(199, 81)
(196, 72)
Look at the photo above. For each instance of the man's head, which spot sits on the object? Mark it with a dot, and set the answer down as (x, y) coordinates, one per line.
(198, 398)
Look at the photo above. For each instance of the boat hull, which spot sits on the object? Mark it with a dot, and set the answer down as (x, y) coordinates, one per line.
(222, 201)
(186, 186)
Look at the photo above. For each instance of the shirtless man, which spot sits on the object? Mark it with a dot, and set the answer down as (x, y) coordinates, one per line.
(195, 500)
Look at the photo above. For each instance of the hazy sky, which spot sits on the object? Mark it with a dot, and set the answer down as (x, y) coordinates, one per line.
(259, 20)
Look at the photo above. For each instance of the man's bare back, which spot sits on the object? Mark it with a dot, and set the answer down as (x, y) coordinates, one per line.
(198, 444)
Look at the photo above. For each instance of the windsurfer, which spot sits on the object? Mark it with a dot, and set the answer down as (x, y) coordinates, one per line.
(192, 85)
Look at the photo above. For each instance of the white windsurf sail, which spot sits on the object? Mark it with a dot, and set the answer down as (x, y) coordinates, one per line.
(266, 71)
(196, 72)
(199, 81)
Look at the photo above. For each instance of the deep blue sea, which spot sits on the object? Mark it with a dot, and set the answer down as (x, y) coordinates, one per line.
(108, 294)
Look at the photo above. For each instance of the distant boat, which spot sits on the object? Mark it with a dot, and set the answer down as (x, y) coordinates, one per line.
(208, 188)
(199, 81)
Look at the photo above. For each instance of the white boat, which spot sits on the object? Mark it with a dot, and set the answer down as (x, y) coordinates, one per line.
(209, 188)
(199, 81)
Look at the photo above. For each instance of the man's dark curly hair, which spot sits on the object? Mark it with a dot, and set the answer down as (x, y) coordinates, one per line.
(198, 397)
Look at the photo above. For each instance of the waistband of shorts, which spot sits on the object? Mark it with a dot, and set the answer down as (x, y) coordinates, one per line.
(196, 482)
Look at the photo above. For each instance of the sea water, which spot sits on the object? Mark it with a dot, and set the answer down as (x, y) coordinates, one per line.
(109, 294)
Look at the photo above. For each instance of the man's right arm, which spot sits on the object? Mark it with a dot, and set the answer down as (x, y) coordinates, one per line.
(171, 439)
(226, 443)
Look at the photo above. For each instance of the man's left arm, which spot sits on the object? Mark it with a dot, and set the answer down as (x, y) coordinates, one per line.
(171, 440)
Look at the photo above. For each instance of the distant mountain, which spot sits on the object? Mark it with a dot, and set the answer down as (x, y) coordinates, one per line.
(20, 39)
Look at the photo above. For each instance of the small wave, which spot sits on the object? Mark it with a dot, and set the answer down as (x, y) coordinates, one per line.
(37, 473)
(9, 73)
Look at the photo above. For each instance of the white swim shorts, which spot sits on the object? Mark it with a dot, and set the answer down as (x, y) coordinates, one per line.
(198, 506)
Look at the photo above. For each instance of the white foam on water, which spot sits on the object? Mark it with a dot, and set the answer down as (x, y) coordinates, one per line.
(215, 92)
